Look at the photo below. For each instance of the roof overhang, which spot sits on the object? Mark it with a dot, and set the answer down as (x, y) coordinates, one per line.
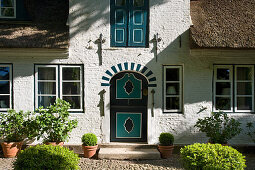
(34, 53)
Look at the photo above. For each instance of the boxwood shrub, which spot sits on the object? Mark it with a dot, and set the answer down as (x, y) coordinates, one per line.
(89, 139)
(166, 139)
(47, 157)
(211, 156)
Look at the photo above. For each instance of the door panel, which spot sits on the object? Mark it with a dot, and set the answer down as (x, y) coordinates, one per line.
(129, 92)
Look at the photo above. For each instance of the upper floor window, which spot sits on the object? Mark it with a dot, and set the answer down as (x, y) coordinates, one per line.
(173, 88)
(7, 8)
(129, 23)
(5, 87)
(234, 88)
(59, 81)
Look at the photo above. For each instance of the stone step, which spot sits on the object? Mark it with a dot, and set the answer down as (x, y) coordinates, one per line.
(128, 153)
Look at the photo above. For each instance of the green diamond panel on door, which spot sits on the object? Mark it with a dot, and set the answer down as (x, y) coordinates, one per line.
(129, 87)
(129, 125)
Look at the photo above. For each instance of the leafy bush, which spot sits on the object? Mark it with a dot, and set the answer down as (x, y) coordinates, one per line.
(166, 139)
(46, 157)
(16, 126)
(211, 156)
(251, 131)
(89, 139)
(219, 127)
(54, 122)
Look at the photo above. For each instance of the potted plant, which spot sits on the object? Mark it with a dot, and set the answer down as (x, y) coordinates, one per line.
(89, 144)
(219, 127)
(14, 128)
(55, 124)
(166, 146)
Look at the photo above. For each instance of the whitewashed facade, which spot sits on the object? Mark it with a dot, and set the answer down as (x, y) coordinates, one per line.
(170, 20)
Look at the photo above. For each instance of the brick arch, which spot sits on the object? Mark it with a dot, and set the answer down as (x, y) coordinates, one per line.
(129, 67)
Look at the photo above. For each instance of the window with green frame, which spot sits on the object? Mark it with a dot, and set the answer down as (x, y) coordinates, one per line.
(13, 10)
(129, 23)
(7, 8)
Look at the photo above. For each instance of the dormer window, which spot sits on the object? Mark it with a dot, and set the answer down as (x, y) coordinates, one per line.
(7, 8)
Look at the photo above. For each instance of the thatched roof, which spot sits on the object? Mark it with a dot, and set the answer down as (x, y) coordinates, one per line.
(223, 24)
(46, 30)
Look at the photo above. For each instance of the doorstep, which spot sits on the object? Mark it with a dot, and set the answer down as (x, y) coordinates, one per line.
(128, 151)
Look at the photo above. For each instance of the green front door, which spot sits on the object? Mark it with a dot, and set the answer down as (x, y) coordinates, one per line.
(129, 95)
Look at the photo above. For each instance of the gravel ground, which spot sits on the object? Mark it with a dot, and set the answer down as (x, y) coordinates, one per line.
(89, 164)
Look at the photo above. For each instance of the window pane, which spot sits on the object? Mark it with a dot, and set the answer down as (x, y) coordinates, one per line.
(4, 101)
(172, 103)
(120, 2)
(46, 101)
(222, 88)
(74, 101)
(4, 87)
(244, 73)
(4, 73)
(46, 73)
(172, 74)
(46, 88)
(7, 12)
(244, 88)
(173, 88)
(138, 3)
(71, 73)
(223, 74)
(71, 88)
(244, 103)
(223, 103)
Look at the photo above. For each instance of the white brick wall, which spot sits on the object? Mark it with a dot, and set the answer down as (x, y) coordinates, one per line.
(168, 18)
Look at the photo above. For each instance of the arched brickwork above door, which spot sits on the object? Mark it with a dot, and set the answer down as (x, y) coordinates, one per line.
(129, 67)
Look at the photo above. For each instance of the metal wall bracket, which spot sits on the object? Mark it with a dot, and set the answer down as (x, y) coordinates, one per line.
(99, 43)
(155, 42)
(152, 102)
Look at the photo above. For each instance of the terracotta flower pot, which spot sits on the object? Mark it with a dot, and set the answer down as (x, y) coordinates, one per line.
(11, 149)
(89, 151)
(166, 151)
(55, 143)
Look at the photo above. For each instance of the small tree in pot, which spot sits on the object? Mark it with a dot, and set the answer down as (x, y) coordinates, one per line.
(219, 127)
(55, 124)
(15, 127)
(89, 144)
(166, 146)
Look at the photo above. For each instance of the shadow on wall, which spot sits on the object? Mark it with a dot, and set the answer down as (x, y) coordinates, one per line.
(97, 12)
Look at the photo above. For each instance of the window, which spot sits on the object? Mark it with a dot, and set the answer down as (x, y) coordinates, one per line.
(59, 81)
(5, 87)
(7, 8)
(234, 88)
(129, 21)
(173, 89)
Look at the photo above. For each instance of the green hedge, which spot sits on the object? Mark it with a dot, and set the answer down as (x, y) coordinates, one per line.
(211, 157)
(43, 157)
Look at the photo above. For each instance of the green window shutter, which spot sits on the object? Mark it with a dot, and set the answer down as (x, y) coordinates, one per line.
(138, 23)
(119, 23)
